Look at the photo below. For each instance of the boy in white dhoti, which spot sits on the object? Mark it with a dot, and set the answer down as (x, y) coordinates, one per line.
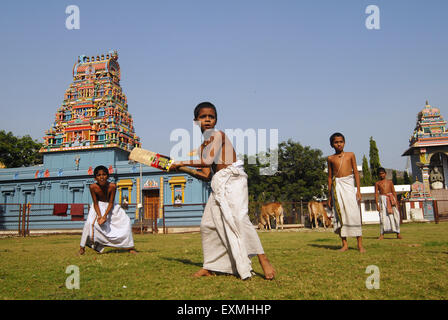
(229, 240)
(107, 224)
(387, 205)
(343, 197)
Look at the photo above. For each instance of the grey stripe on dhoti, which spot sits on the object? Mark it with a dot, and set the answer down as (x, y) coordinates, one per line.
(229, 239)
(389, 223)
(115, 232)
(347, 213)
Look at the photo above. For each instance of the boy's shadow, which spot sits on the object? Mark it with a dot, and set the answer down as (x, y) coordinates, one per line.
(126, 251)
(325, 246)
(198, 264)
(184, 261)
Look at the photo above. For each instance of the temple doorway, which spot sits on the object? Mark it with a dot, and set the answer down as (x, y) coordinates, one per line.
(151, 202)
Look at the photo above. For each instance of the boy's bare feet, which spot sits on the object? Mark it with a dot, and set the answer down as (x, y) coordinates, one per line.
(81, 250)
(133, 251)
(360, 247)
(399, 236)
(344, 245)
(268, 269)
(202, 273)
(381, 237)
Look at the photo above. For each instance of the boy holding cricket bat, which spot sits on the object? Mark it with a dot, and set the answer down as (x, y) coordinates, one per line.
(229, 240)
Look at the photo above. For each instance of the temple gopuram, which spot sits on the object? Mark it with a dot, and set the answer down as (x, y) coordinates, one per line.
(428, 150)
(94, 113)
(93, 127)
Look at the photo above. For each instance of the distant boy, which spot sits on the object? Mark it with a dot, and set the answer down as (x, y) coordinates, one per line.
(387, 206)
(107, 224)
(343, 199)
(229, 240)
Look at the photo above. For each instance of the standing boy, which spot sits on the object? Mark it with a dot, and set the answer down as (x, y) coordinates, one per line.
(342, 173)
(386, 204)
(229, 240)
(107, 224)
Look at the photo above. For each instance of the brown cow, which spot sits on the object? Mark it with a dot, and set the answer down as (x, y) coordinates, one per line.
(269, 210)
(317, 211)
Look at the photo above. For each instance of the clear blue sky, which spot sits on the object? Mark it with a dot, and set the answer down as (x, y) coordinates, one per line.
(307, 68)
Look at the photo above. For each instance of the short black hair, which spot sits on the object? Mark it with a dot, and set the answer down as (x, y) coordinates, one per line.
(334, 135)
(380, 169)
(204, 105)
(98, 169)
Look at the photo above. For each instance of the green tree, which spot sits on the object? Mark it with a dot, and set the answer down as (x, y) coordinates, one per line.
(300, 174)
(19, 151)
(374, 159)
(406, 179)
(366, 179)
(394, 177)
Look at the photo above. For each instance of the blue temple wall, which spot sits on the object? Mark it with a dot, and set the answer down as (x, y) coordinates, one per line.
(69, 180)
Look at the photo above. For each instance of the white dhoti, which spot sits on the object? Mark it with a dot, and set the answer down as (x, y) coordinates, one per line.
(115, 232)
(229, 239)
(347, 213)
(389, 223)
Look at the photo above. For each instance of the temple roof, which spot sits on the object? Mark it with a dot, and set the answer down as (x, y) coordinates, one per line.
(430, 130)
(94, 113)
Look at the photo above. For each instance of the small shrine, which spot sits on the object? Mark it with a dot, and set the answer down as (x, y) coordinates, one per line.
(94, 113)
(428, 150)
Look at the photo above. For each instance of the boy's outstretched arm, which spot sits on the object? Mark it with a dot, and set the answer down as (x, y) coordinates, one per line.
(205, 174)
(206, 160)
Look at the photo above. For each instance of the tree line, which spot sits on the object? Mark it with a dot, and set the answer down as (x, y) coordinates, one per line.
(300, 174)
(370, 169)
(18, 151)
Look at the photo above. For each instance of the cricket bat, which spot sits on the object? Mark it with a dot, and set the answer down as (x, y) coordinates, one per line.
(155, 160)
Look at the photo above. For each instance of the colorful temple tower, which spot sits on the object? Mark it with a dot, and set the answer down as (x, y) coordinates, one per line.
(94, 113)
(94, 127)
(428, 151)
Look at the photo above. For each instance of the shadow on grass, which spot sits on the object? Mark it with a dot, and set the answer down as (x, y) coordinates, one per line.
(324, 246)
(184, 261)
(199, 264)
(322, 240)
(127, 251)
(260, 275)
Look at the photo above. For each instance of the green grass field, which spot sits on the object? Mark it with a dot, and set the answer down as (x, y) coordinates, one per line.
(307, 262)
